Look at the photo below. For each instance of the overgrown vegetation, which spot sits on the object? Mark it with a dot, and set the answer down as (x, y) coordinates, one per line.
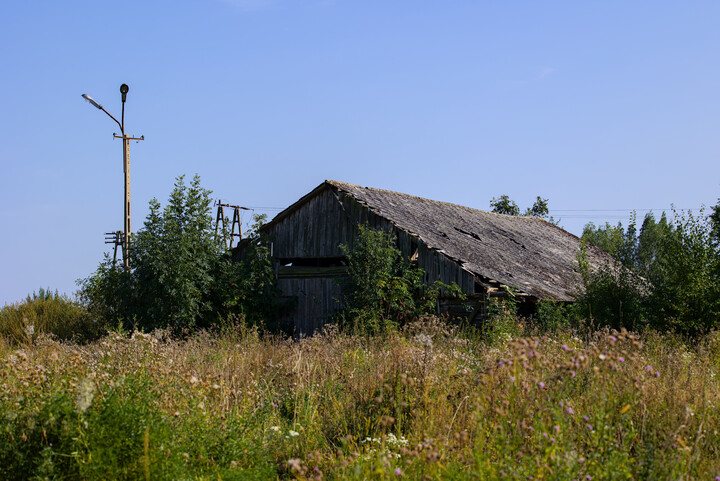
(182, 275)
(426, 403)
(384, 290)
(670, 278)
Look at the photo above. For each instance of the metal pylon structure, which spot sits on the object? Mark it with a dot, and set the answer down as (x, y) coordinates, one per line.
(114, 238)
(235, 230)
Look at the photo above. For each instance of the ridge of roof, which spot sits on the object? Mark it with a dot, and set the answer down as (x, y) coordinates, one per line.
(347, 187)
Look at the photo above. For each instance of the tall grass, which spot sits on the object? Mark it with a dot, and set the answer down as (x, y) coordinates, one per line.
(425, 403)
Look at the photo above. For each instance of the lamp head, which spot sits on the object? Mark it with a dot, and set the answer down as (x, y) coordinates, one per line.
(92, 101)
(123, 91)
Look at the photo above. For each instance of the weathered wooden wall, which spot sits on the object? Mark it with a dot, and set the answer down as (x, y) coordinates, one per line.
(318, 298)
(320, 226)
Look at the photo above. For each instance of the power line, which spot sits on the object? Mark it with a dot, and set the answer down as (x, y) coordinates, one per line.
(620, 210)
(266, 208)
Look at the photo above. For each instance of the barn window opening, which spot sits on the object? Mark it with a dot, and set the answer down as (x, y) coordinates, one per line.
(414, 248)
(312, 261)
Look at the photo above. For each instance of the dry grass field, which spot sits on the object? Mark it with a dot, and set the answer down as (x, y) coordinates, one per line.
(425, 403)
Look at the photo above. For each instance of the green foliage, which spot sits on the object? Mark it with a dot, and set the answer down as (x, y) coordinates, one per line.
(250, 288)
(636, 251)
(507, 206)
(504, 205)
(613, 295)
(384, 289)
(668, 280)
(715, 222)
(502, 323)
(539, 208)
(553, 316)
(48, 313)
(183, 277)
(120, 434)
(686, 278)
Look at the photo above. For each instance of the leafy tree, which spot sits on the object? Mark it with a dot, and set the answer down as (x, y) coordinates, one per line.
(636, 251)
(715, 222)
(175, 257)
(504, 205)
(183, 276)
(649, 242)
(539, 208)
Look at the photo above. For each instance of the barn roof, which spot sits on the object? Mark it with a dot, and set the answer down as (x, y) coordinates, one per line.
(529, 253)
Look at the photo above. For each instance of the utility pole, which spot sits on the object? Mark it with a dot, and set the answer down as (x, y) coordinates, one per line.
(126, 170)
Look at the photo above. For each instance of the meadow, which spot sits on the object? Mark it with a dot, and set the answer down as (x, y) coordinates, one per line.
(427, 402)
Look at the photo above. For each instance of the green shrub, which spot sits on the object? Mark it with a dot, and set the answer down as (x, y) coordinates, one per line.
(502, 322)
(552, 316)
(48, 313)
(384, 290)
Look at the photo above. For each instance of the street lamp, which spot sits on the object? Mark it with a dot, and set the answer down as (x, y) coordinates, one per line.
(126, 168)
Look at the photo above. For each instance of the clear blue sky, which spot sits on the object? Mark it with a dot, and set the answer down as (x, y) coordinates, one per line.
(594, 105)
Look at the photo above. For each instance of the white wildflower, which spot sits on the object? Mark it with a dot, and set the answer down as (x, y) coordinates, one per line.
(424, 340)
(85, 395)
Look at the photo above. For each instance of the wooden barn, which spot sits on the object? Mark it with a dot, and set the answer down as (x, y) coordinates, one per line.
(479, 251)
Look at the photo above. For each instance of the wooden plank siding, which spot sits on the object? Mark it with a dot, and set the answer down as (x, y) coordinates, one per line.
(329, 220)
(318, 298)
